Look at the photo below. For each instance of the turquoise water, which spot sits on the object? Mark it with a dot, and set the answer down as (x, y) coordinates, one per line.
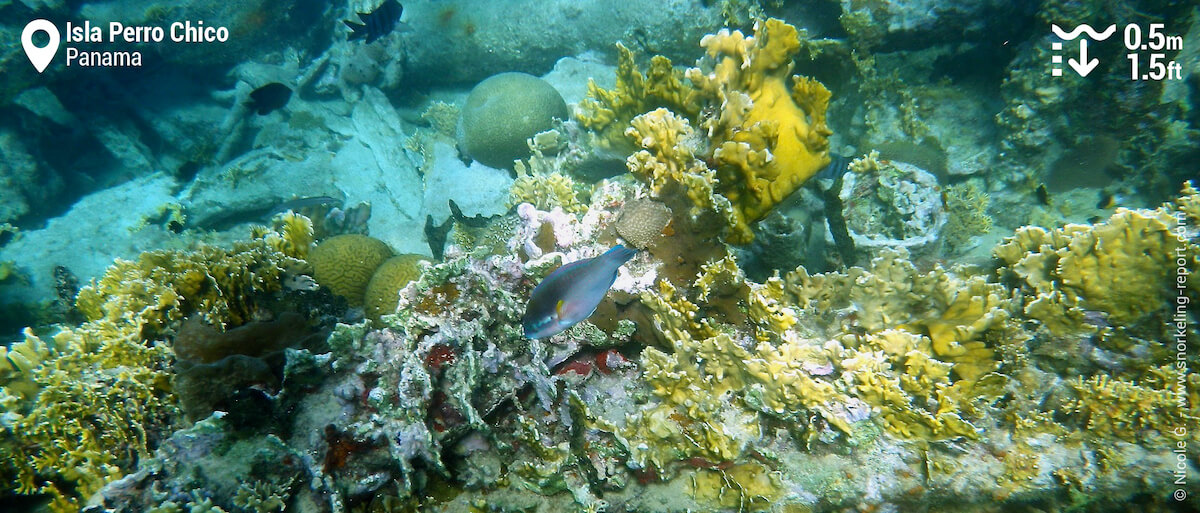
(889, 256)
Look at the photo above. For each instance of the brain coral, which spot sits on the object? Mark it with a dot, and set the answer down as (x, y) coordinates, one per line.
(383, 290)
(502, 112)
(345, 264)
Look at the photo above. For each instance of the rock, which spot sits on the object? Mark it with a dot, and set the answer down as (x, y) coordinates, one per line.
(108, 224)
(450, 44)
(364, 161)
(475, 188)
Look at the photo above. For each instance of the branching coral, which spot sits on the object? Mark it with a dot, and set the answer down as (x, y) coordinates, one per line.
(711, 387)
(544, 179)
(920, 348)
(100, 396)
(162, 287)
(966, 215)
(545, 191)
(668, 162)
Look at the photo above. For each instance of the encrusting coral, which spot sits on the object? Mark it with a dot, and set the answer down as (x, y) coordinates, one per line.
(81, 410)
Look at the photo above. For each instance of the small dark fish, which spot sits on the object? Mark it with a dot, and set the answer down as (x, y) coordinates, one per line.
(1094, 219)
(572, 292)
(435, 235)
(377, 23)
(838, 165)
(1107, 200)
(269, 98)
(299, 204)
(1043, 195)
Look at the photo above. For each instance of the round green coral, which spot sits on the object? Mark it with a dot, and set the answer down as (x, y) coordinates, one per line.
(383, 290)
(502, 112)
(345, 264)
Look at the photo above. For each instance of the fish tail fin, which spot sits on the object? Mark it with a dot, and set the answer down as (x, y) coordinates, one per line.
(620, 254)
(359, 30)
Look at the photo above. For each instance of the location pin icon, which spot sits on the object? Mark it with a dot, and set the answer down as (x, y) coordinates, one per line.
(40, 57)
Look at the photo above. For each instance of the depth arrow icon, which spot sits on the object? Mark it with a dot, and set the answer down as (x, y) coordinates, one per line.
(1083, 66)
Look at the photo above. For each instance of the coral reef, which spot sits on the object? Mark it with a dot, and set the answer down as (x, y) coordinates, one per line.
(256, 474)
(105, 385)
(545, 191)
(768, 139)
(747, 358)
(162, 287)
(1119, 267)
(966, 215)
(609, 112)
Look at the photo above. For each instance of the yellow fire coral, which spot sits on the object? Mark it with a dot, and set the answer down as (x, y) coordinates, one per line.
(609, 112)
(920, 347)
(1119, 267)
(764, 138)
(545, 191)
(1148, 412)
(161, 287)
(82, 410)
(768, 140)
(668, 160)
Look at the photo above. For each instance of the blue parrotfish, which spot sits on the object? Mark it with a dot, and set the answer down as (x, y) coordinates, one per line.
(571, 293)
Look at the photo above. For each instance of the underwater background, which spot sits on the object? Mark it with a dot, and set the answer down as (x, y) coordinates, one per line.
(877, 256)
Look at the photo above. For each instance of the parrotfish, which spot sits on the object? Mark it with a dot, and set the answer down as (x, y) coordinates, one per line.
(571, 293)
